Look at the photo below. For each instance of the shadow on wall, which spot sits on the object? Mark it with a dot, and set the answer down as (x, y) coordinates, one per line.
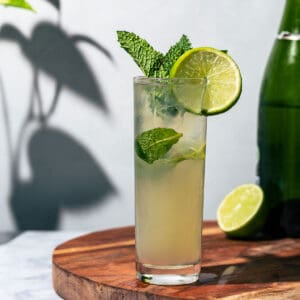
(55, 3)
(64, 173)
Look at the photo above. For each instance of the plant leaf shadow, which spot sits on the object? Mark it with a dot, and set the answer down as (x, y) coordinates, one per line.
(256, 270)
(51, 50)
(55, 3)
(64, 174)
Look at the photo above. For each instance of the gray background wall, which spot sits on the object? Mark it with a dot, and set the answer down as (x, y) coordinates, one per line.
(75, 171)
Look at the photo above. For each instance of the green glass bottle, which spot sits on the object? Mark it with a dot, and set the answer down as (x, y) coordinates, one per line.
(279, 128)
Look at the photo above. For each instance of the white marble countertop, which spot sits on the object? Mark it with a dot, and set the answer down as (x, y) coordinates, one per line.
(25, 265)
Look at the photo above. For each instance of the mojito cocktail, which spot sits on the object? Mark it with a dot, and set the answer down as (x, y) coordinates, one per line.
(180, 88)
(168, 186)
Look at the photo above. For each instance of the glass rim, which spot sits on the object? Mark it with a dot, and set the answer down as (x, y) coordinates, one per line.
(162, 81)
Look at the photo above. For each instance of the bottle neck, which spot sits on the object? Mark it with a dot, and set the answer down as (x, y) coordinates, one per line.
(290, 21)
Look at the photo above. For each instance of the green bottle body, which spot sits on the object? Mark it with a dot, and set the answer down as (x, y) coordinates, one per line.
(279, 128)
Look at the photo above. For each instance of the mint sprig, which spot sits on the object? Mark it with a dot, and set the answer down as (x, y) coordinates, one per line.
(172, 55)
(152, 62)
(153, 144)
(148, 59)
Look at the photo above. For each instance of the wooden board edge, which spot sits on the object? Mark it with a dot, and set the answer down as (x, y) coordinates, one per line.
(71, 287)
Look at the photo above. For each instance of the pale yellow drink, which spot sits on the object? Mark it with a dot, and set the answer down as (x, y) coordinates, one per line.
(169, 213)
(169, 191)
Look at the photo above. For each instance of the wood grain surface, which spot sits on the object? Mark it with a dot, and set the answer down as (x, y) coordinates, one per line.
(101, 265)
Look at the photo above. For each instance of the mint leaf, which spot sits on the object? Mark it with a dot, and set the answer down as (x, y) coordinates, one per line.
(148, 59)
(152, 62)
(172, 55)
(17, 3)
(154, 143)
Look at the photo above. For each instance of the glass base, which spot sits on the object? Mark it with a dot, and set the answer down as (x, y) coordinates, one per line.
(168, 275)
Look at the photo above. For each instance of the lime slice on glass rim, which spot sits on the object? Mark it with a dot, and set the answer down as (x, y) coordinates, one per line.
(242, 212)
(224, 82)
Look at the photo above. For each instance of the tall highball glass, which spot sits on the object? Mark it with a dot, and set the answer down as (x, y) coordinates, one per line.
(169, 179)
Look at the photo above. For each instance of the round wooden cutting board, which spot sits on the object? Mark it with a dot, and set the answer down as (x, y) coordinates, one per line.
(101, 265)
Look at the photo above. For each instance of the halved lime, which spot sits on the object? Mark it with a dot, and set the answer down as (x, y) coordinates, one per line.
(224, 82)
(241, 214)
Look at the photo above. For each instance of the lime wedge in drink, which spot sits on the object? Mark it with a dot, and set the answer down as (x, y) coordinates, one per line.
(224, 82)
(241, 214)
